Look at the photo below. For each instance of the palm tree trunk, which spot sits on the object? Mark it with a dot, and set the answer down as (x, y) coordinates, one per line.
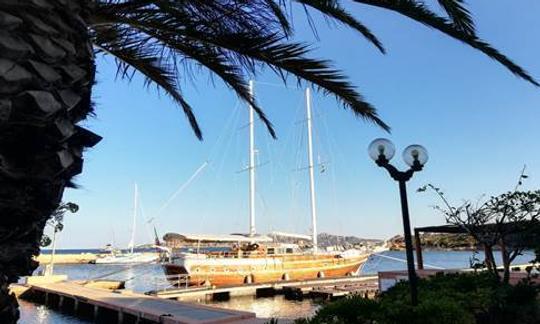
(9, 311)
(46, 75)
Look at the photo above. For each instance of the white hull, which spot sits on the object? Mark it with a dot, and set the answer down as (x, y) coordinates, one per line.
(192, 260)
(196, 270)
(128, 259)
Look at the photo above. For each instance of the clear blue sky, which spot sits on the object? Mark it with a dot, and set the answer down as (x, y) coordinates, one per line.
(478, 121)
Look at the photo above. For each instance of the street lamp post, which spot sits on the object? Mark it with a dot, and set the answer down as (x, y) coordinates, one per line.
(382, 151)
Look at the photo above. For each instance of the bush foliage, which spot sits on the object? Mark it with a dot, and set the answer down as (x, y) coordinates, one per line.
(464, 298)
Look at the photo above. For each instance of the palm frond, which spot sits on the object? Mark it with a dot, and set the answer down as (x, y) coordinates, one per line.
(291, 58)
(161, 26)
(136, 54)
(229, 72)
(333, 9)
(421, 13)
(236, 38)
(460, 15)
(234, 47)
(280, 15)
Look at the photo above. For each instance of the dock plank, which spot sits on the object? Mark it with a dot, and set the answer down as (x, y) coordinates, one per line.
(250, 289)
(147, 307)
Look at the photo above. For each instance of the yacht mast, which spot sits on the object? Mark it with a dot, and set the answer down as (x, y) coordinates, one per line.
(252, 230)
(135, 205)
(311, 172)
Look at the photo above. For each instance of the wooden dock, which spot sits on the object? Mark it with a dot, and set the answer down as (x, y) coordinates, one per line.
(330, 291)
(327, 288)
(104, 306)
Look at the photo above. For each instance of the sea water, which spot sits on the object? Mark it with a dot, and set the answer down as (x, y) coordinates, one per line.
(143, 278)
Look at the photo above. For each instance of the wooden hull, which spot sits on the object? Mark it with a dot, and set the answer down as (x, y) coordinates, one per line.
(237, 271)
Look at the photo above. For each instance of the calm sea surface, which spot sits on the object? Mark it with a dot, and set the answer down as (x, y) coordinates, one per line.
(148, 277)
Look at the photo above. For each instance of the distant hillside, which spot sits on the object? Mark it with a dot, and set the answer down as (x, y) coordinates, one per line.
(436, 241)
(326, 239)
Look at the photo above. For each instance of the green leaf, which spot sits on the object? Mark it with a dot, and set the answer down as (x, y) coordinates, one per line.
(45, 241)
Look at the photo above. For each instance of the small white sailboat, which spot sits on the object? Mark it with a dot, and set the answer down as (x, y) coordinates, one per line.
(131, 257)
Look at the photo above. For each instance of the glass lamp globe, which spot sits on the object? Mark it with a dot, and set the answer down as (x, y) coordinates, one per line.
(381, 147)
(415, 153)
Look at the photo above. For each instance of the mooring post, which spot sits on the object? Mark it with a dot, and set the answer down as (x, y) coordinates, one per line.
(60, 301)
(418, 246)
(96, 312)
(46, 298)
(120, 316)
(75, 305)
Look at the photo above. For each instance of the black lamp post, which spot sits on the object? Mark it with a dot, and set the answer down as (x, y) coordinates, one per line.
(382, 151)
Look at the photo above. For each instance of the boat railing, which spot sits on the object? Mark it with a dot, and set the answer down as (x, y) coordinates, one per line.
(172, 282)
(237, 255)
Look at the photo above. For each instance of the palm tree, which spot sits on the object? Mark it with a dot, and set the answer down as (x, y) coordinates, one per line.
(47, 70)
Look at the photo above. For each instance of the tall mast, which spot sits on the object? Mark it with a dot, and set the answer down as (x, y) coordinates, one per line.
(311, 172)
(135, 206)
(252, 230)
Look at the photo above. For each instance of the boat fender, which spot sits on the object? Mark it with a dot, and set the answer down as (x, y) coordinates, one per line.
(254, 247)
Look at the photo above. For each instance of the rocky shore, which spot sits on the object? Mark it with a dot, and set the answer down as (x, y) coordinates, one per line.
(432, 241)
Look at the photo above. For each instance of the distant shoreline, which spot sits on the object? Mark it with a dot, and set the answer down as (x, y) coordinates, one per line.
(436, 249)
(48, 252)
(91, 250)
(72, 258)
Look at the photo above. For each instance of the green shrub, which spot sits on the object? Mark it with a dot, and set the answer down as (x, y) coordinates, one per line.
(429, 311)
(355, 309)
(480, 295)
(464, 298)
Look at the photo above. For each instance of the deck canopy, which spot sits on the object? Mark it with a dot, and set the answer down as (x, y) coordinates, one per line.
(291, 235)
(207, 238)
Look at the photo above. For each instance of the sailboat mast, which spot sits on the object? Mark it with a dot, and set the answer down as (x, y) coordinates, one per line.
(135, 206)
(252, 230)
(311, 172)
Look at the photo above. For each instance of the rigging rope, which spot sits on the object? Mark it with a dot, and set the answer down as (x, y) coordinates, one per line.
(126, 268)
(146, 221)
(180, 190)
(405, 261)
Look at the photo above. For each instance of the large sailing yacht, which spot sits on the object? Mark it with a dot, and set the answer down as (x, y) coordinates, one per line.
(253, 258)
